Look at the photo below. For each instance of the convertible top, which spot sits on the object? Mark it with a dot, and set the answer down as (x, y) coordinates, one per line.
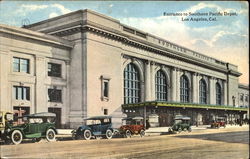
(98, 117)
(133, 118)
(39, 115)
(182, 117)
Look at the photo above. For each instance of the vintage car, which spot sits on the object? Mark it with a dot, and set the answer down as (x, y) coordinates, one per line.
(219, 122)
(5, 119)
(132, 126)
(96, 126)
(36, 126)
(181, 123)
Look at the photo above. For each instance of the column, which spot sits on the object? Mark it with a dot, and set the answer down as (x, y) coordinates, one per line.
(195, 92)
(197, 88)
(173, 84)
(178, 85)
(225, 92)
(147, 81)
(152, 80)
(212, 91)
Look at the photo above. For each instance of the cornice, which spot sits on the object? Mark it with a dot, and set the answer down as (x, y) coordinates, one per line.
(20, 32)
(139, 43)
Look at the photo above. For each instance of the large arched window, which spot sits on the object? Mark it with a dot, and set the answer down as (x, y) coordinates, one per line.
(161, 91)
(132, 90)
(184, 89)
(218, 94)
(203, 91)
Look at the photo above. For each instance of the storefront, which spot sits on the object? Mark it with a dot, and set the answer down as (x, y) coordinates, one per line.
(200, 114)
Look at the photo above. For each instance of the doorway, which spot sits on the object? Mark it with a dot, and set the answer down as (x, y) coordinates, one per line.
(58, 112)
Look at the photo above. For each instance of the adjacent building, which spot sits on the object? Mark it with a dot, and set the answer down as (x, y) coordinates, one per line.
(84, 63)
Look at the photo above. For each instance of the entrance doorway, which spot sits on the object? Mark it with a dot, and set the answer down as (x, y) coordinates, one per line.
(58, 112)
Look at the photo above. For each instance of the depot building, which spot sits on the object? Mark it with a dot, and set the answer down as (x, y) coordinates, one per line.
(84, 64)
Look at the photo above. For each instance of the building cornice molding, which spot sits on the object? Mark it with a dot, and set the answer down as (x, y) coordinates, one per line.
(24, 33)
(90, 26)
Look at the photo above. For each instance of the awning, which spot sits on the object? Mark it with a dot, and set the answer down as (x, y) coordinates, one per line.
(183, 105)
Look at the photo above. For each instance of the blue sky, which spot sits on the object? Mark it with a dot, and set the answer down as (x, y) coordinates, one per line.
(225, 39)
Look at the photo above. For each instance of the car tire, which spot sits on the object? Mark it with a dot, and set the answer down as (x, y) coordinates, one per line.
(189, 129)
(50, 135)
(142, 133)
(16, 137)
(179, 130)
(128, 134)
(87, 134)
(108, 134)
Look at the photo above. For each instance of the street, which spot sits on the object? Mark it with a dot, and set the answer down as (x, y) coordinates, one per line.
(230, 142)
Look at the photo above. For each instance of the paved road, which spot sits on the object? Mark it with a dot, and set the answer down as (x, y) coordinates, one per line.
(228, 143)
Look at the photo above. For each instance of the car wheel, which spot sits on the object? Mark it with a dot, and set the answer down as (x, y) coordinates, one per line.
(179, 130)
(185, 129)
(109, 134)
(87, 134)
(50, 135)
(142, 133)
(189, 129)
(16, 137)
(128, 134)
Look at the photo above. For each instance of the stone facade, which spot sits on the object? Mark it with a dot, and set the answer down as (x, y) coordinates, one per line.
(93, 50)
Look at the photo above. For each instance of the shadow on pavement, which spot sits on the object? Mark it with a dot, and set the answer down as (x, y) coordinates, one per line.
(230, 137)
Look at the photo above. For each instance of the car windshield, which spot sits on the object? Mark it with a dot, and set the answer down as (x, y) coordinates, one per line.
(93, 122)
(177, 121)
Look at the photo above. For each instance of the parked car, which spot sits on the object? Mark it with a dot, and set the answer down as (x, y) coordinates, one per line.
(219, 122)
(132, 126)
(96, 126)
(5, 119)
(36, 126)
(181, 123)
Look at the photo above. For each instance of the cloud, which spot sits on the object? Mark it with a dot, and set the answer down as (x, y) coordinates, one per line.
(53, 14)
(62, 9)
(33, 7)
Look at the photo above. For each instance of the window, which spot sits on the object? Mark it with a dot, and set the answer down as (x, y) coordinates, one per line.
(184, 89)
(54, 70)
(161, 86)
(105, 87)
(132, 90)
(20, 65)
(21, 93)
(218, 94)
(246, 98)
(105, 111)
(55, 95)
(241, 97)
(203, 91)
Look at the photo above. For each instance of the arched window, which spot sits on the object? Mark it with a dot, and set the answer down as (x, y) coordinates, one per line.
(161, 91)
(203, 91)
(218, 94)
(184, 89)
(132, 90)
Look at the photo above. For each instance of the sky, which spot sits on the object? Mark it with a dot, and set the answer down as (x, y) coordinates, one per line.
(224, 38)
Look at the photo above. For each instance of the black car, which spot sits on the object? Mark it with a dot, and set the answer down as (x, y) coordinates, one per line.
(97, 126)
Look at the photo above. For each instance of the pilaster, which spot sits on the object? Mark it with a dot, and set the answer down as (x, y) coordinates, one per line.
(147, 81)
(40, 90)
(178, 74)
(225, 92)
(152, 80)
(173, 83)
